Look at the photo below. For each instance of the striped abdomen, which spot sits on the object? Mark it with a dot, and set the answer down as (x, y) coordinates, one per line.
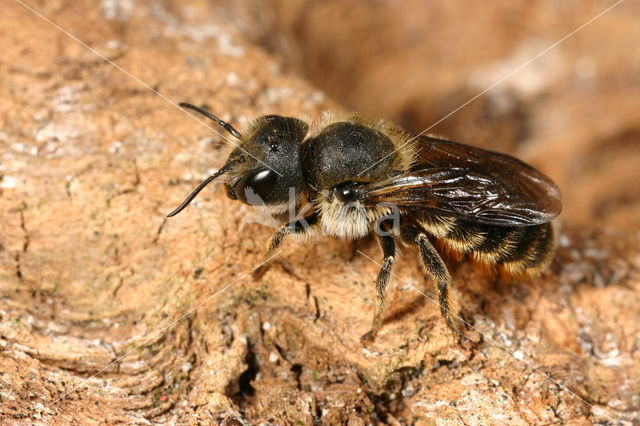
(514, 252)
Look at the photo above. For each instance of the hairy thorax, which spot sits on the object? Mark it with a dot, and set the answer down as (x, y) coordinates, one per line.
(348, 220)
(348, 151)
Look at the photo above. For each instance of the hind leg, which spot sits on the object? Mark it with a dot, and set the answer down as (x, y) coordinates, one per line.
(434, 265)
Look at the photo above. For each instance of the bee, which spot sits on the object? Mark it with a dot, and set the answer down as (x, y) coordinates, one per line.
(352, 177)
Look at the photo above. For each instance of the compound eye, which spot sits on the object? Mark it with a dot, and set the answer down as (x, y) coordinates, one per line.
(254, 188)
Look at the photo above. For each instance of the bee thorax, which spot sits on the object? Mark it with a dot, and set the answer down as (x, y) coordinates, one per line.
(348, 220)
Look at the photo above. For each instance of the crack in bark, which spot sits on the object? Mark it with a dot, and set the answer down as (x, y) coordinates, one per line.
(25, 244)
(133, 188)
(67, 189)
(159, 231)
(115, 290)
(18, 267)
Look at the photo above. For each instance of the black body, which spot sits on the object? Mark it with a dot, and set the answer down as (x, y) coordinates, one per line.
(275, 140)
(464, 200)
(337, 155)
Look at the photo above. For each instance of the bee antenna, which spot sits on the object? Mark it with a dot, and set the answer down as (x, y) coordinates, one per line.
(228, 127)
(200, 187)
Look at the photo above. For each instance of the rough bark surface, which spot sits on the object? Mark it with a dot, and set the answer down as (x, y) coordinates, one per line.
(110, 312)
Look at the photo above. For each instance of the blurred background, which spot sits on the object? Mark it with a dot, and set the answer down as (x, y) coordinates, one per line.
(574, 111)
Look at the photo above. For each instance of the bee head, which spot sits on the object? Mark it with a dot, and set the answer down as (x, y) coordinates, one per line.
(268, 162)
(264, 168)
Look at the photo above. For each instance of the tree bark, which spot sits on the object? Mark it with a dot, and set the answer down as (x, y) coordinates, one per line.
(110, 312)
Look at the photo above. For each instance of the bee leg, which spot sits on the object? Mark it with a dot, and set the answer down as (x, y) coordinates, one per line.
(434, 265)
(388, 245)
(298, 226)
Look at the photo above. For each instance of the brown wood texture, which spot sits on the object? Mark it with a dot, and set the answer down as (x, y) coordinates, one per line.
(112, 313)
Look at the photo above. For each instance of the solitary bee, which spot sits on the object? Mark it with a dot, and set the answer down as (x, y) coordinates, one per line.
(352, 177)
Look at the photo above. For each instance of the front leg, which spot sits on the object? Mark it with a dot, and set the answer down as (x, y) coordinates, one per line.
(388, 246)
(295, 227)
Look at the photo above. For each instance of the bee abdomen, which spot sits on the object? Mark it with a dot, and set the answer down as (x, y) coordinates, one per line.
(458, 235)
(499, 243)
(524, 251)
(514, 252)
(436, 225)
(541, 250)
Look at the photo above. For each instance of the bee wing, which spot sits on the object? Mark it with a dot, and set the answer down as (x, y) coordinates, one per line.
(473, 183)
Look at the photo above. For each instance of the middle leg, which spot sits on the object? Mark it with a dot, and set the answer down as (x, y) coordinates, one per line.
(388, 246)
